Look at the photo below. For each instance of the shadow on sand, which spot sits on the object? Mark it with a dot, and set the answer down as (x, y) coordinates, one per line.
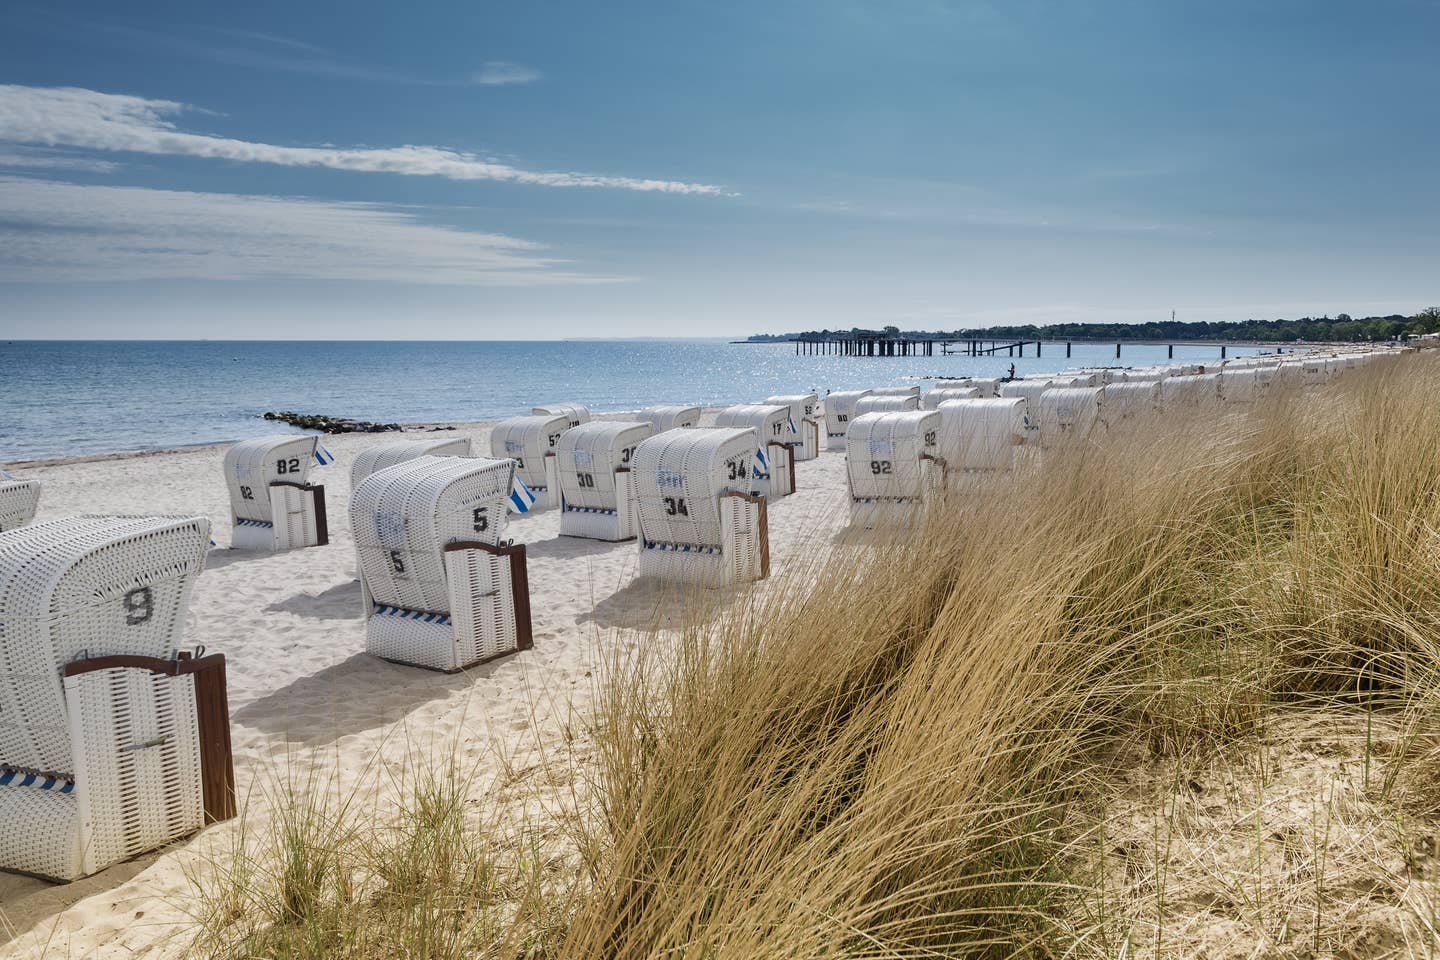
(340, 602)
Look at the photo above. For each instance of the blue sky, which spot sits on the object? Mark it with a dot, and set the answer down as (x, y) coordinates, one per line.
(547, 169)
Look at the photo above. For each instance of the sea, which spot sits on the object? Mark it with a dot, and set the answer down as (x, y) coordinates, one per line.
(62, 398)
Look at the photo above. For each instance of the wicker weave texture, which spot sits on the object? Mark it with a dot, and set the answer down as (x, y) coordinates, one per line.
(98, 586)
(982, 434)
(588, 457)
(380, 456)
(252, 465)
(1133, 398)
(679, 477)
(403, 516)
(839, 409)
(574, 413)
(671, 416)
(933, 399)
(883, 454)
(1069, 413)
(886, 403)
(736, 559)
(805, 419)
(527, 441)
(18, 502)
(983, 386)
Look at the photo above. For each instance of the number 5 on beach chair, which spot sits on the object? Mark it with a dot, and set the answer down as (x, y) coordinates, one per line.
(271, 504)
(698, 521)
(439, 589)
(112, 741)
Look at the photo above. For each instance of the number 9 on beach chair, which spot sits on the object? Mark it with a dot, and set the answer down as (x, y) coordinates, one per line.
(671, 416)
(18, 502)
(893, 465)
(271, 505)
(438, 588)
(804, 422)
(698, 521)
(773, 474)
(377, 458)
(112, 741)
(531, 442)
(597, 486)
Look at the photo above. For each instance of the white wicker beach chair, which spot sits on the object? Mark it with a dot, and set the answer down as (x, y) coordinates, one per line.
(575, 413)
(1131, 399)
(439, 589)
(671, 416)
(804, 421)
(531, 442)
(597, 484)
(886, 403)
(272, 506)
(983, 386)
(933, 399)
(774, 472)
(982, 434)
(894, 468)
(698, 521)
(895, 391)
(112, 741)
(18, 501)
(1068, 414)
(377, 458)
(1244, 384)
(1190, 390)
(839, 409)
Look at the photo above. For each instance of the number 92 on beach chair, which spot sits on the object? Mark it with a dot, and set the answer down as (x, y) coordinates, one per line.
(439, 589)
(804, 423)
(699, 522)
(271, 504)
(893, 466)
(112, 741)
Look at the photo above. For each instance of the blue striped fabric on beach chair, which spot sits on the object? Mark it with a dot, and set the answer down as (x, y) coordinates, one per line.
(522, 498)
(323, 457)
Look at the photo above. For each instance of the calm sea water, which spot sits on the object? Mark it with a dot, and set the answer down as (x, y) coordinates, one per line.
(60, 398)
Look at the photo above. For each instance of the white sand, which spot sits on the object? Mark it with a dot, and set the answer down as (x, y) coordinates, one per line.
(305, 695)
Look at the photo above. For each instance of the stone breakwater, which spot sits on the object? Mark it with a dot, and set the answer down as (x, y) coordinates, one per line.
(307, 421)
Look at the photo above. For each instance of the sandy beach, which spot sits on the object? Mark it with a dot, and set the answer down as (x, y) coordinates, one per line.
(304, 696)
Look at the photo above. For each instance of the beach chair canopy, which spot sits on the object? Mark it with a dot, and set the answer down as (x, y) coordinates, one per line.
(527, 441)
(575, 413)
(983, 386)
(680, 476)
(839, 408)
(19, 499)
(669, 416)
(1072, 411)
(802, 406)
(376, 458)
(589, 455)
(895, 391)
(1131, 398)
(982, 434)
(405, 515)
(770, 421)
(883, 451)
(252, 465)
(886, 403)
(933, 399)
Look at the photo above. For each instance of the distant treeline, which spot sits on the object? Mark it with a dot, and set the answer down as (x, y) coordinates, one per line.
(1340, 329)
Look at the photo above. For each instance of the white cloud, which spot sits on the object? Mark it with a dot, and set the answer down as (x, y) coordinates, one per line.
(499, 73)
(73, 117)
(50, 160)
(64, 232)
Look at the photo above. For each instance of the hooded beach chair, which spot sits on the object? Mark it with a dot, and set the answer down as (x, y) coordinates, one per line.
(698, 521)
(893, 466)
(377, 458)
(438, 588)
(982, 434)
(895, 391)
(1190, 390)
(1068, 414)
(1131, 399)
(272, 506)
(983, 386)
(773, 473)
(575, 413)
(804, 422)
(597, 484)
(839, 408)
(19, 500)
(887, 403)
(933, 399)
(112, 741)
(531, 442)
(671, 416)
(1244, 384)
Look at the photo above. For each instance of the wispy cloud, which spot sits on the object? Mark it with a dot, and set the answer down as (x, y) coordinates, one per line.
(65, 232)
(74, 117)
(499, 73)
(31, 158)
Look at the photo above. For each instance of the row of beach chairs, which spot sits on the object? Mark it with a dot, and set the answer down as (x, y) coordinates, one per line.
(115, 738)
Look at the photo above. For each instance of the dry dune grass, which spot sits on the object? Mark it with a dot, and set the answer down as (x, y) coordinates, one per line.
(935, 745)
